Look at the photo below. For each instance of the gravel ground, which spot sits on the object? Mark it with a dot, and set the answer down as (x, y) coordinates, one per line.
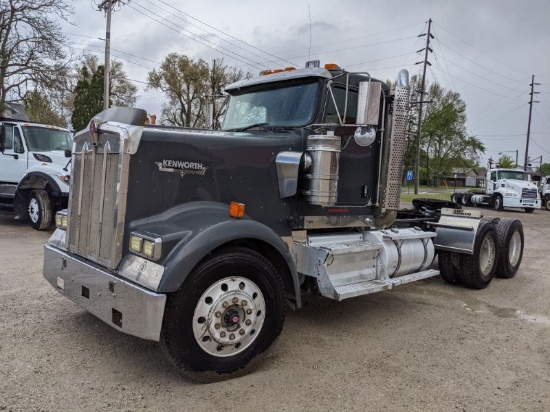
(424, 346)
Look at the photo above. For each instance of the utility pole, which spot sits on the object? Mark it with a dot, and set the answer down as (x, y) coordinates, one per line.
(423, 83)
(529, 122)
(107, 6)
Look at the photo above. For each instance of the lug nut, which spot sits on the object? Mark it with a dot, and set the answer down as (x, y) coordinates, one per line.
(235, 300)
(248, 322)
(232, 336)
(222, 334)
(249, 311)
(244, 303)
(218, 325)
(218, 314)
(225, 304)
(241, 332)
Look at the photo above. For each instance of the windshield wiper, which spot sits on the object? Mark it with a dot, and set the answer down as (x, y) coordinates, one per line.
(242, 129)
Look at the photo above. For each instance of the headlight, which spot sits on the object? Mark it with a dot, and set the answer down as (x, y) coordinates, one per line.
(64, 178)
(149, 247)
(61, 219)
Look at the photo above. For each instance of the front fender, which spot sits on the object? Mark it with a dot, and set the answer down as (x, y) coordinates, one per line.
(194, 230)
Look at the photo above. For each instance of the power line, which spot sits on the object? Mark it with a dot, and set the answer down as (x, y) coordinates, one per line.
(482, 52)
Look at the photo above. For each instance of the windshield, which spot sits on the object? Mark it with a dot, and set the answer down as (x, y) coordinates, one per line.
(513, 174)
(45, 139)
(286, 106)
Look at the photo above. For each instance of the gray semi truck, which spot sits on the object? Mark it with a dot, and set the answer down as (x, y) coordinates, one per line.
(199, 239)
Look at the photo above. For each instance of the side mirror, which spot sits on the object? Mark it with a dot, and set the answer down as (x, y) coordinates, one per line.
(2, 137)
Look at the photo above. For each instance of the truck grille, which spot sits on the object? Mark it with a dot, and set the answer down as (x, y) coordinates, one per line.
(97, 199)
(529, 193)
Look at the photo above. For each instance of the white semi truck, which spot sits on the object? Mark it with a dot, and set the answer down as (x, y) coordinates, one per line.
(504, 188)
(544, 190)
(34, 170)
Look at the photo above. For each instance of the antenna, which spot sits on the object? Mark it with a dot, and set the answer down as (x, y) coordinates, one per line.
(309, 12)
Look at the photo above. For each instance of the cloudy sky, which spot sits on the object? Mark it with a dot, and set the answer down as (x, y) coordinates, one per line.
(486, 50)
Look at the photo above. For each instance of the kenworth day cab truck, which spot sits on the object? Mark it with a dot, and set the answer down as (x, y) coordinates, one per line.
(34, 170)
(197, 238)
(504, 188)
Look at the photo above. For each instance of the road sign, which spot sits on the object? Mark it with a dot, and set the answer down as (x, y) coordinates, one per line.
(409, 175)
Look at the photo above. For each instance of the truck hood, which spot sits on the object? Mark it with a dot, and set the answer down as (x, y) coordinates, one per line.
(517, 184)
(57, 156)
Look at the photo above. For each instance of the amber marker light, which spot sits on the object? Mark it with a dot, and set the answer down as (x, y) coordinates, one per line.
(331, 66)
(236, 209)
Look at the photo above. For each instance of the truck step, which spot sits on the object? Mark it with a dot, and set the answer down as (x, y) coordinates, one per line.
(364, 288)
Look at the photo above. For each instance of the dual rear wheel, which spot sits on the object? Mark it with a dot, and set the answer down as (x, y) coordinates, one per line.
(498, 250)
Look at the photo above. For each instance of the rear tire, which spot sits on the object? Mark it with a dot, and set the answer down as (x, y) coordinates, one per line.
(479, 269)
(39, 209)
(228, 311)
(448, 271)
(466, 199)
(510, 246)
(455, 198)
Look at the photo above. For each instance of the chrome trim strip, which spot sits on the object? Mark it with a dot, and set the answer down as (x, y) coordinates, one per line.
(106, 149)
(321, 222)
(125, 306)
(83, 154)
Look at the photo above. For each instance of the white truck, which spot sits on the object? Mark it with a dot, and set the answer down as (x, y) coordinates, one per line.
(544, 190)
(504, 188)
(34, 170)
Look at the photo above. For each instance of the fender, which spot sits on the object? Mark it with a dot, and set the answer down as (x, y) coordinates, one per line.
(193, 230)
(37, 180)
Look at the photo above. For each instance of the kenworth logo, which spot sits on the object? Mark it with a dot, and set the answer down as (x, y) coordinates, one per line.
(182, 167)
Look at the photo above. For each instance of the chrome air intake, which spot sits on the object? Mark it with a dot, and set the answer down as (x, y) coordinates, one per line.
(323, 173)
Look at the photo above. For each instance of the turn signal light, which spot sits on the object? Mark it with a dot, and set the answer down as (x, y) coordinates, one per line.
(61, 220)
(236, 210)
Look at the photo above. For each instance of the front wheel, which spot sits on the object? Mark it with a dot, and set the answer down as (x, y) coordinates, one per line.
(497, 202)
(547, 202)
(228, 311)
(529, 209)
(39, 209)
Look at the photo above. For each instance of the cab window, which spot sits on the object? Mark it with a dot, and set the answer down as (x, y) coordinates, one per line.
(13, 139)
(331, 114)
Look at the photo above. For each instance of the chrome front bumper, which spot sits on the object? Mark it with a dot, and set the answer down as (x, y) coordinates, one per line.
(123, 305)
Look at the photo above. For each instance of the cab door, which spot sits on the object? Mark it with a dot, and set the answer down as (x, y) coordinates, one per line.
(13, 162)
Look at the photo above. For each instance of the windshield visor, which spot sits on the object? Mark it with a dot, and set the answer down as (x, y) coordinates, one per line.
(43, 139)
(291, 105)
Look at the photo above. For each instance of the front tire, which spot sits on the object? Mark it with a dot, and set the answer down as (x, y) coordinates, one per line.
(547, 202)
(497, 202)
(529, 209)
(228, 312)
(510, 245)
(479, 269)
(39, 209)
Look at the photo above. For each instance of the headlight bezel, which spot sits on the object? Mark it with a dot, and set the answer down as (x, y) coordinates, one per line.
(61, 219)
(138, 242)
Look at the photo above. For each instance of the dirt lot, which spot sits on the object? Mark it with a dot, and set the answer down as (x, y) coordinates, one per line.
(423, 346)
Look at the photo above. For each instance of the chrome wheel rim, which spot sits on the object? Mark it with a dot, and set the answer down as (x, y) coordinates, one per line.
(229, 316)
(497, 203)
(514, 249)
(34, 210)
(487, 255)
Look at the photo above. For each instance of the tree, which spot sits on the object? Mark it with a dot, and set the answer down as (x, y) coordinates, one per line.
(545, 169)
(506, 162)
(39, 109)
(190, 86)
(87, 98)
(31, 46)
(444, 142)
